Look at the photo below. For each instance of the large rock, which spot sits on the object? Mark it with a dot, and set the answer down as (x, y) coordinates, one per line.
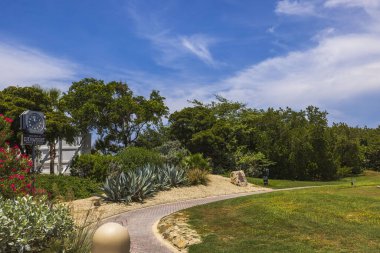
(238, 178)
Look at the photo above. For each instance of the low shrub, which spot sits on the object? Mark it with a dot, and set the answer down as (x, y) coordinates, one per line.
(67, 187)
(197, 176)
(31, 224)
(196, 161)
(80, 240)
(253, 164)
(132, 158)
(344, 172)
(94, 166)
(173, 152)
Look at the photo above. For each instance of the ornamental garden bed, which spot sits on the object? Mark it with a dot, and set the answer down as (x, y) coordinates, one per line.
(217, 185)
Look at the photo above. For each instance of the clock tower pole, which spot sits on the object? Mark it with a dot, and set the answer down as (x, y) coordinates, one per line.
(33, 124)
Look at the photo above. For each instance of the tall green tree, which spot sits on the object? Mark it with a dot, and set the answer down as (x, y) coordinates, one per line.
(113, 111)
(58, 125)
(208, 129)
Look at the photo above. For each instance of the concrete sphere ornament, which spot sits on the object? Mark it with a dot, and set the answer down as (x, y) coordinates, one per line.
(111, 238)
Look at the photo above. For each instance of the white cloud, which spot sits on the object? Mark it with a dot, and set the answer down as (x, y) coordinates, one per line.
(21, 65)
(353, 3)
(339, 68)
(297, 8)
(271, 29)
(198, 45)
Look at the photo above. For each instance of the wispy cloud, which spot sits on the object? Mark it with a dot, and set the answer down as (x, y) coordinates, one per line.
(172, 47)
(199, 46)
(297, 8)
(20, 65)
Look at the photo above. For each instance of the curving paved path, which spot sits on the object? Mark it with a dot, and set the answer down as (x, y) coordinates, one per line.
(140, 222)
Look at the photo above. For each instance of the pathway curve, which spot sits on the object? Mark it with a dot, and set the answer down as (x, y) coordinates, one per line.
(140, 222)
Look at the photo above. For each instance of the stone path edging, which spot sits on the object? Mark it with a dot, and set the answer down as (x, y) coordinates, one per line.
(142, 223)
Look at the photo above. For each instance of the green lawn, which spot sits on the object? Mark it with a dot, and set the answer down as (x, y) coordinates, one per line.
(336, 218)
(368, 178)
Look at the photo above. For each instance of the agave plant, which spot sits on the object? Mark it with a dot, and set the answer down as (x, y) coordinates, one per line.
(162, 180)
(141, 183)
(176, 176)
(115, 188)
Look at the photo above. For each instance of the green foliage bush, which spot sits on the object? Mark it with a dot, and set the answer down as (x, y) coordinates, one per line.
(173, 152)
(80, 240)
(67, 187)
(94, 166)
(132, 158)
(253, 164)
(196, 161)
(344, 172)
(31, 224)
(197, 176)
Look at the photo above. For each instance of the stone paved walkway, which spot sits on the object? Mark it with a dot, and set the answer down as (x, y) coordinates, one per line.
(140, 222)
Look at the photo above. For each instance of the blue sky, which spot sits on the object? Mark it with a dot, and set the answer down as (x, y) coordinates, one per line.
(265, 53)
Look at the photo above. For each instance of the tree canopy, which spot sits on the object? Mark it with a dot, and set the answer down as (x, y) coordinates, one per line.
(113, 111)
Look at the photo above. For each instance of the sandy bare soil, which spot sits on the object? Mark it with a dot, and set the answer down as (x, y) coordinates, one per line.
(218, 185)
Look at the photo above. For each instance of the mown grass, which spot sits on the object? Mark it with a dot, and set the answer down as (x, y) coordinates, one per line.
(337, 218)
(367, 178)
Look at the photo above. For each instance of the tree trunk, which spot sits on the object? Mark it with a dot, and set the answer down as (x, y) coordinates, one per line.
(52, 157)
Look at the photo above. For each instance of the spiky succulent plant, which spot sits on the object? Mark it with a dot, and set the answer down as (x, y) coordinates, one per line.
(115, 189)
(175, 175)
(137, 185)
(162, 180)
(141, 183)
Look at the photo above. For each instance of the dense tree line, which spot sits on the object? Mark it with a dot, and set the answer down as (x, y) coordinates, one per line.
(291, 144)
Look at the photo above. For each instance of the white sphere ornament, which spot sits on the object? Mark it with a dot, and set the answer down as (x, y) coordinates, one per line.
(111, 238)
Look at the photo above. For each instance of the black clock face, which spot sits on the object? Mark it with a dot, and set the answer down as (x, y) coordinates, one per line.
(35, 122)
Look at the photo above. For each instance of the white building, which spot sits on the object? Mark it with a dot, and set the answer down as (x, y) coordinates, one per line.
(64, 154)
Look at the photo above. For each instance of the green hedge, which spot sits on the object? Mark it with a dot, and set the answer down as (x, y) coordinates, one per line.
(67, 187)
(136, 157)
(93, 166)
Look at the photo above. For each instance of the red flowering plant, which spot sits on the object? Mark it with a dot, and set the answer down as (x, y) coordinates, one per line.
(5, 129)
(14, 167)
